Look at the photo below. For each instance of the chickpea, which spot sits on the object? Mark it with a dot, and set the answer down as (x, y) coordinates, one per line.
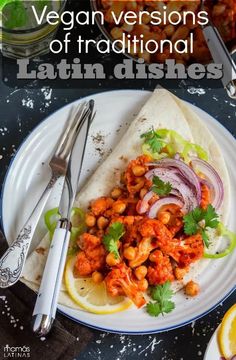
(129, 253)
(100, 205)
(164, 217)
(169, 30)
(102, 222)
(119, 207)
(143, 285)
(179, 273)
(116, 192)
(138, 170)
(111, 260)
(116, 33)
(146, 18)
(97, 277)
(140, 272)
(126, 27)
(90, 220)
(154, 256)
(143, 192)
(192, 288)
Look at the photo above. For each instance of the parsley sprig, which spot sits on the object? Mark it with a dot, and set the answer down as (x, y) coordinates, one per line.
(199, 220)
(160, 187)
(162, 295)
(110, 240)
(153, 140)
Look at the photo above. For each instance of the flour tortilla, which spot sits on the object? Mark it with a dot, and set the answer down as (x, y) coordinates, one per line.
(162, 110)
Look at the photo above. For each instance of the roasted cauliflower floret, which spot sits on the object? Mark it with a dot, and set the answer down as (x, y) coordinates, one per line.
(193, 249)
(119, 281)
(92, 256)
(160, 270)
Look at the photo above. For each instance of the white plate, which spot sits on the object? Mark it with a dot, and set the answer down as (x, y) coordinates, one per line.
(213, 351)
(27, 177)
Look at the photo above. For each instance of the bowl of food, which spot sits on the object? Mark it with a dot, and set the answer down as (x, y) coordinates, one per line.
(222, 14)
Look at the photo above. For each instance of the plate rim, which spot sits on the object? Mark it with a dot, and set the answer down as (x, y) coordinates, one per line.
(211, 341)
(156, 331)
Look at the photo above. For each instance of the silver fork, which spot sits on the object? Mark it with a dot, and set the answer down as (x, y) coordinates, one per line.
(13, 260)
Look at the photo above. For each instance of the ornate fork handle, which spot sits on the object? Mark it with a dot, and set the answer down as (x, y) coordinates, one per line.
(13, 260)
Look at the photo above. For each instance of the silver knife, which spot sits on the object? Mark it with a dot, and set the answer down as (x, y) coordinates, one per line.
(46, 304)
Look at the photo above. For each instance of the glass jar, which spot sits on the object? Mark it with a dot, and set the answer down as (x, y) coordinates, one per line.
(25, 38)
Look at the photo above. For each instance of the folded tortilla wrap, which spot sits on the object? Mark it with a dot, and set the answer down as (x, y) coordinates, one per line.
(162, 110)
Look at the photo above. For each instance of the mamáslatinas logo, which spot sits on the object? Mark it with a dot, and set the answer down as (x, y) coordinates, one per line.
(16, 352)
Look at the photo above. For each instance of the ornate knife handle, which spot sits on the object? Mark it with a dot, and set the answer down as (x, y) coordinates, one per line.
(13, 260)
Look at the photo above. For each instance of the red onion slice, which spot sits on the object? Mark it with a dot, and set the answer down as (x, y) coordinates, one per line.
(205, 182)
(164, 201)
(212, 177)
(185, 170)
(143, 205)
(178, 185)
(176, 193)
(148, 196)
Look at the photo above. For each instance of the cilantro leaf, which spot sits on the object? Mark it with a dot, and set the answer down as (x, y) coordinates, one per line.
(197, 214)
(168, 306)
(110, 240)
(160, 187)
(162, 295)
(199, 220)
(153, 308)
(161, 292)
(211, 217)
(154, 140)
(191, 221)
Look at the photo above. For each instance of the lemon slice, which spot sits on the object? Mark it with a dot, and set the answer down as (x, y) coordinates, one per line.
(90, 296)
(227, 333)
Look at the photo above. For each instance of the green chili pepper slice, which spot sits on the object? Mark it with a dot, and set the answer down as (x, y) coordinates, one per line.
(77, 219)
(231, 236)
(50, 218)
(175, 143)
